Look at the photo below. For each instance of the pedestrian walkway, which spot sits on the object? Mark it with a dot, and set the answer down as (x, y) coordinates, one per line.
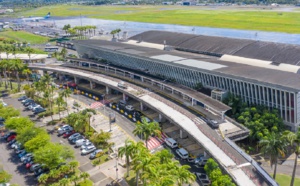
(155, 142)
(96, 105)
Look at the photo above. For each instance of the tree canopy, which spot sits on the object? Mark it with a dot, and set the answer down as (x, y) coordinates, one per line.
(18, 123)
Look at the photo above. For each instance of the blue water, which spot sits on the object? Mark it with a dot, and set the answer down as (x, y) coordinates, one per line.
(134, 28)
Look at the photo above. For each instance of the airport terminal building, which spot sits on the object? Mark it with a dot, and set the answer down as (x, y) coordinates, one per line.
(260, 72)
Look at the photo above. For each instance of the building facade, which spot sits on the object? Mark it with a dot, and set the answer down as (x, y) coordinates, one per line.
(261, 92)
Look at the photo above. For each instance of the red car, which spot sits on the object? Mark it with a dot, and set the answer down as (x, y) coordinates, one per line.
(11, 138)
(28, 165)
(68, 134)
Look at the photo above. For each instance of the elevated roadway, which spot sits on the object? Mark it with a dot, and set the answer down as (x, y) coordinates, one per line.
(232, 161)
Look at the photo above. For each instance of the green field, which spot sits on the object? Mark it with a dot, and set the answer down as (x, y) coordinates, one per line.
(21, 36)
(285, 180)
(248, 19)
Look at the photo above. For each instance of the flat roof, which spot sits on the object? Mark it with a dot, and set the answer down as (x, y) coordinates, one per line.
(269, 51)
(214, 65)
(24, 56)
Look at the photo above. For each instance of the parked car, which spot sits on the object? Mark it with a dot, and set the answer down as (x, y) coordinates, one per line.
(96, 153)
(128, 109)
(29, 164)
(20, 151)
(182, 153)
(2, 120)
(77, 138)
(171, 143)
(40, 171)
(39, 110)
(23, 153)
(64, 129)
(12, 142)
(32, 105)
(22, 98)
(80, 142)
(28, 103)
(86, 144)
(73, 136)
(205, 182)
(35, 167)
(68, 133)
(10, 138)
(201, 176)
(26, 100)
(88, 150)
(29, 155)
(8, 134)
(35, 107)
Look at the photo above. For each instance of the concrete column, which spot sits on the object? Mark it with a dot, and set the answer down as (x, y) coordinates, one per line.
(89, 65)
(141, 106)
(60, 77)
(193, 102)
(91, 85)
(142, 79)
(75, 79)
(223, 115)
(124, 97)
(108, 90)
(183, 134)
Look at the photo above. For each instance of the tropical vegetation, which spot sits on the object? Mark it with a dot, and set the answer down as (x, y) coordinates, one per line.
(154, 169)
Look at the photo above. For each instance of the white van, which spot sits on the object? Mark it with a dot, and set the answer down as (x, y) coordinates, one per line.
(182, 153)
(171, 142)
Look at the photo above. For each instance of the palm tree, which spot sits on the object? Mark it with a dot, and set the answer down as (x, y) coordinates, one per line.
(7, 50)
(17, 66)
(43, 178)
(75, 178)
(64, 53)
(26, 71)
(1, 50)
(64, 181)
(65, 94)
(183, 175)
(145, 130)
(4, 65)
(84, 175)
(29, 52)
(59, 102)
(294, 140)
(73, 165)
(140, 154)
(127, 150)
(165, 156)
(101, 138)
(273, 146)
(55, 173)
(14, 51)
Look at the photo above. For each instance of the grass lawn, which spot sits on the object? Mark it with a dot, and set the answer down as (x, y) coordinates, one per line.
(283, 180)
(22, 36)
(248, 19)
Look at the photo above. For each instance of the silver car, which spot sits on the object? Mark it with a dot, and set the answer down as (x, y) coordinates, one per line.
(88, 150)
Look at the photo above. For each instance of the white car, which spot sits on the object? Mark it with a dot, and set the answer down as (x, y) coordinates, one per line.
(64, 129)
(88, 149)
(86, 144)
(80, 142)
(37, 106)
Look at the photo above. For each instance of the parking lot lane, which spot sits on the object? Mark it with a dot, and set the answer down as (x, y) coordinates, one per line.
(98, 177)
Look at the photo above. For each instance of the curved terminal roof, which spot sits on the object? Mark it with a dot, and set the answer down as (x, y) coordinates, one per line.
(218, 46)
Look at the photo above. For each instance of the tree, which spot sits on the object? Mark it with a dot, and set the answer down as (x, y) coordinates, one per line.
(29, 52)
(64, 182)
(273, 146)
(4, 65)
(51, 155)
(29, 133)
(75, 178)
(145, 130)
(17, 66)
(165, 156)
(43, 178)
(59, 102)
(26, 71)
(127, 150)
(8, 112)
(4, 177)
(87, 114)
(66, 28)
(183, 175)
(101, 139)
(18, 123)
(84, 175)
(64, 53)
(210, 166)
(114, 32)
(7, 50)
(37, 142)
(294, 140)
(66, 94)
(73, 165)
